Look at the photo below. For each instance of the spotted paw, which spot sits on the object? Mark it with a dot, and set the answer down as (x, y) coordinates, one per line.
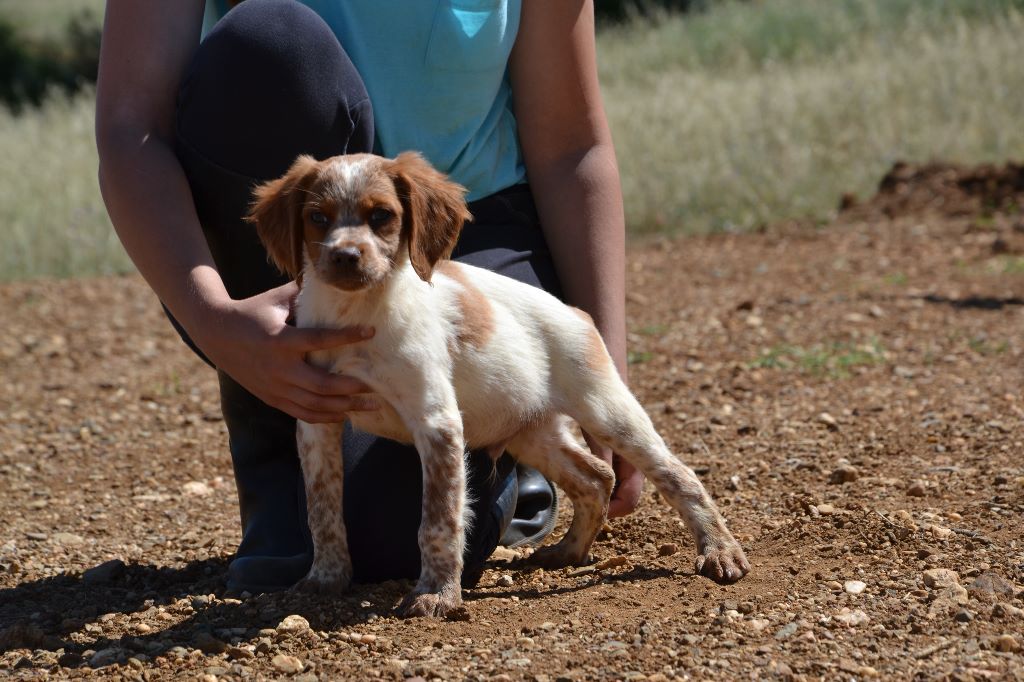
(723, 564)
(439, 604)
(333, 585)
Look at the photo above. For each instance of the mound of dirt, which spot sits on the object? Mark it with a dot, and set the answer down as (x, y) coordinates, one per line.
(947, 189)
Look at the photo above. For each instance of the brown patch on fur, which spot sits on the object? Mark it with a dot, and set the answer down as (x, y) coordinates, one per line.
(477, 324)
(595, 355)
(433, 211)
(276, 211)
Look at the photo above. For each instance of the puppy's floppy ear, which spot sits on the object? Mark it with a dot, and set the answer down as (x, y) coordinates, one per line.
(433, 211)
(276, 210)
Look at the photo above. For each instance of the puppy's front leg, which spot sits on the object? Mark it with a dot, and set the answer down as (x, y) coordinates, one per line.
(319, 451)
(442, 526)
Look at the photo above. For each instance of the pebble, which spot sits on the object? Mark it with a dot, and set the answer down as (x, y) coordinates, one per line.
(668, 549)
(1007, 643)
(854, 586)
(829, 421)
(938, 578)
(104, 657)
(826, 509)
(852, 618)
(963, 616)
(68, 539)
(38, 537)
(916, 489)
(238, 653)
(106, 572)
(611, 562)
(196, 489)
(844, 474)
(208, 644)
(940, 532)
(505, 580)
(504, 554)
(289, 665)
(293, 624)
(992, 583)
(786, 630)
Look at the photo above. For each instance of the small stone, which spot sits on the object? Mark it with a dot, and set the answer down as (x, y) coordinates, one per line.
(611, 562)
(829, 421)
(938, 578)
(368, 639)
(852, 618)
(289, 665)
(68, 539)
(208, 644)
(668, 549)
(963, 616)
(106, 572)
(854, 586)
(940, 533)
(196, 489)
(758, 624)
(293, 624)
(1006, 643)
(143, 628)
(238, 653)
(38, 537)
(844, 474)
(505, 580)
(786, 630)
(917, 489)
(992, 583)
(504, 554)
(104, 657)
(826, 509)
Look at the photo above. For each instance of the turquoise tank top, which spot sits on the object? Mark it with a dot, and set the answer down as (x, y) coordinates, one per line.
(436, 73)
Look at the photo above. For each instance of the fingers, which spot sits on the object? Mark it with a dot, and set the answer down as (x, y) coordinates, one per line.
(307, 340)
(629, 485)
(316, 409)
(319, 382)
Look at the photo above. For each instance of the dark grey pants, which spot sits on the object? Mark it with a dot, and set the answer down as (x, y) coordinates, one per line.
(270, 82)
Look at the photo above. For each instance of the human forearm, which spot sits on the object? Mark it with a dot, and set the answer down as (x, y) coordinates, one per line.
(150, 205)
(580, 204)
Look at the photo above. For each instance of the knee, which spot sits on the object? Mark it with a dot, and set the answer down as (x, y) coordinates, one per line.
(271, 75)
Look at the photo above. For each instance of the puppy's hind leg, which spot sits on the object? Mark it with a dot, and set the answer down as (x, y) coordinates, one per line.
(587, 480)
(613, 416)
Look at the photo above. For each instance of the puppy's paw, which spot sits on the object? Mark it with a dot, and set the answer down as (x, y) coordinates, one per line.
(439, 604)
(725, 563)
(557, 556)
(332, 584)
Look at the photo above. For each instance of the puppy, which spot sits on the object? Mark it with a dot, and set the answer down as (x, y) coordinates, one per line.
(462, 357)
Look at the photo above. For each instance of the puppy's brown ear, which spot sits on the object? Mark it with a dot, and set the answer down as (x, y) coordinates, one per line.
(276, 210)
(433, 211)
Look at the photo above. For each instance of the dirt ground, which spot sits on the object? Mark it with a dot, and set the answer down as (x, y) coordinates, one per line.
(850, 393)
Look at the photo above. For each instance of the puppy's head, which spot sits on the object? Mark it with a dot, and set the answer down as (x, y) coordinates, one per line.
(356, 217)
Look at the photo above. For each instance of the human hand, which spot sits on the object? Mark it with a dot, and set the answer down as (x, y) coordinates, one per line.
(252, 342)
(629, 481)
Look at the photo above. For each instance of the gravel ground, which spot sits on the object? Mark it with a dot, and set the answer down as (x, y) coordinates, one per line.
(850, 394)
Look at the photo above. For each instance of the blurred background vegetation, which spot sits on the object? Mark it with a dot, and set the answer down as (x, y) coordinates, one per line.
(727, 114)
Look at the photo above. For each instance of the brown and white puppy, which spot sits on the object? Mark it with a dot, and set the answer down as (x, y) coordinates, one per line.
(462, 357)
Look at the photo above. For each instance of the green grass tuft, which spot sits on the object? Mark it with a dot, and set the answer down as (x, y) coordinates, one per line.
(835, 359)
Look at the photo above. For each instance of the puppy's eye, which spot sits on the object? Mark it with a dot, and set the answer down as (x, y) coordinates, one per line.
(318, 218)
(379, 216)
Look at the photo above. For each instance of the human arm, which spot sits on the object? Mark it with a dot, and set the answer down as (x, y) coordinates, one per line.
(147, 46)
(571, 166)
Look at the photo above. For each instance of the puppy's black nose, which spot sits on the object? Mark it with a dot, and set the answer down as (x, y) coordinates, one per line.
(348, 255)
